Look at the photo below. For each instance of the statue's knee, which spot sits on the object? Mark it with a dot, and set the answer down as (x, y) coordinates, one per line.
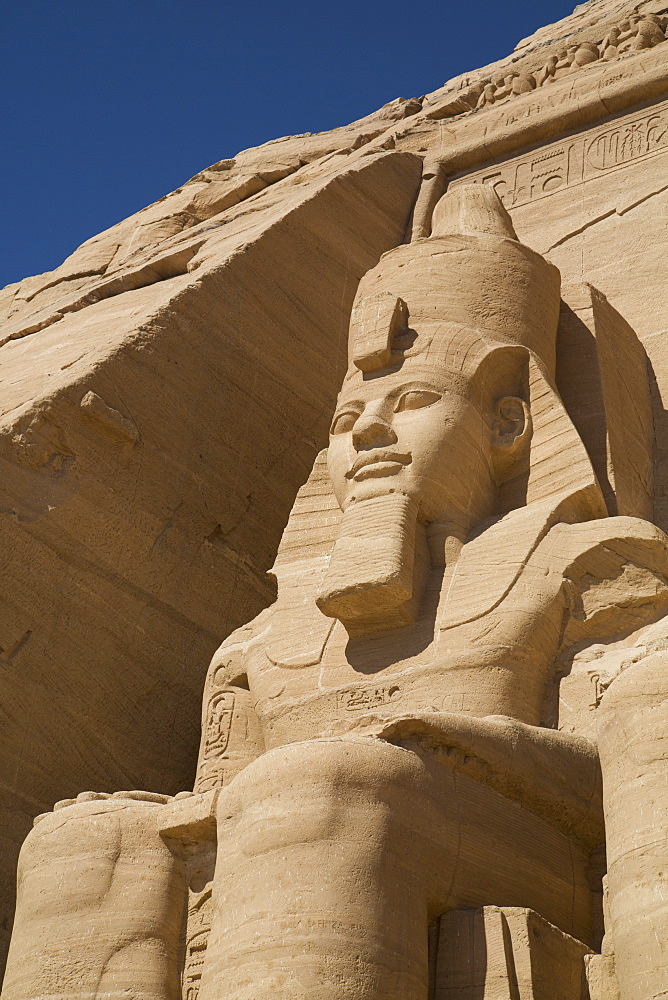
(80, 901)
(316, 790)
(329, 765)
(71, 855)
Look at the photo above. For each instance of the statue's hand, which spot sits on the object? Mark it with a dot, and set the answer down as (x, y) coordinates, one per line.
(126, 797)
(390, 725)
(556, 774)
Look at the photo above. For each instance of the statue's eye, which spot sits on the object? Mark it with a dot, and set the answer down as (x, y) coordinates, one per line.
(344, 422)
(417, 398)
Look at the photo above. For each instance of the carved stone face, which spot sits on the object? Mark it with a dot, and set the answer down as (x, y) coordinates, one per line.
(406, 432)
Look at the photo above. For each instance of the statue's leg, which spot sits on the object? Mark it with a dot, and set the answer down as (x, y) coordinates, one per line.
(319, 887)
(633, 743)
(335, 855)
(100, 906)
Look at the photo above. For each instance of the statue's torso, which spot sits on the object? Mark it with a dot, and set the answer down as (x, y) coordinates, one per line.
(498, 665)
(295, 675)
(448, 675)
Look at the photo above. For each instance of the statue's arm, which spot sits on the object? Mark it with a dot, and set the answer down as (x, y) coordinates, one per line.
(231, 732)
(555, 774)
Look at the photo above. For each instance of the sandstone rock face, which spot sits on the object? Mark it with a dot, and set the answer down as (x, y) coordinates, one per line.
(418, 763)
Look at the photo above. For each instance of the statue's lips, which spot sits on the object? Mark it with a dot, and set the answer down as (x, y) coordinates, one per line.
(377, 463)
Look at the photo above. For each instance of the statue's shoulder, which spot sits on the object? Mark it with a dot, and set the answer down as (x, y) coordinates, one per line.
(611, 556)
(630, 537)
(229, 660)
(617, 572)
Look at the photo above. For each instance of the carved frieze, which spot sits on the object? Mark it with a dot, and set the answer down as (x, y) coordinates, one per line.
(576, 159)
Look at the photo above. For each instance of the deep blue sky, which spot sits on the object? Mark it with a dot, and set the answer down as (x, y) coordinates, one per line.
(109, 104)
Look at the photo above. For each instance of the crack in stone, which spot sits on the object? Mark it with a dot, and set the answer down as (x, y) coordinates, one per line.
(606, 215)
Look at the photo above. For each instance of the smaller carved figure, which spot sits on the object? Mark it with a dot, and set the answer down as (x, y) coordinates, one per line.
(508, 85)
(587, 52)
(610, 44)
(523, 83)
(504, 86)
(648, 33)
(627, 31)
(546, 73)
(487, 96)
(564, 62)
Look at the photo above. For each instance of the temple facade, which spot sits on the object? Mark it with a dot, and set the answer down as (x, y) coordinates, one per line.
(335, 618)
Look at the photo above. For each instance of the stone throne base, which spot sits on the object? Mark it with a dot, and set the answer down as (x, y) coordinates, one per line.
(505, 953)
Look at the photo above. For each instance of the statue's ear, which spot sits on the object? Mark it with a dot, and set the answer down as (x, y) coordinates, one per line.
(537, 454)
(511, 432)
(503, 382)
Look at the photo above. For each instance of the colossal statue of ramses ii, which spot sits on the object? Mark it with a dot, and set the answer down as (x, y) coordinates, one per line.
(386, 807)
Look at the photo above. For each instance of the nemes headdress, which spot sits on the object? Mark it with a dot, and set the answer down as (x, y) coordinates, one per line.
(473, 304)
(445, 298)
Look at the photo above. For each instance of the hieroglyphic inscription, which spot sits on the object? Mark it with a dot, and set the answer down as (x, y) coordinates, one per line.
(199, 928)
(366, 699)
(453, 703)
(576, 159)
(220, 714)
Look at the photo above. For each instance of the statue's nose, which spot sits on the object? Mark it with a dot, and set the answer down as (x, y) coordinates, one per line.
(372, 431)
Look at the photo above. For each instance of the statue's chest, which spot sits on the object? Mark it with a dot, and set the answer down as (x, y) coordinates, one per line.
(393, 676)
(297, 701)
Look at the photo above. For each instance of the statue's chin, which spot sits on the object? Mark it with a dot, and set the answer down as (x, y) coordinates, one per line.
(383, 479)
(373, 580)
